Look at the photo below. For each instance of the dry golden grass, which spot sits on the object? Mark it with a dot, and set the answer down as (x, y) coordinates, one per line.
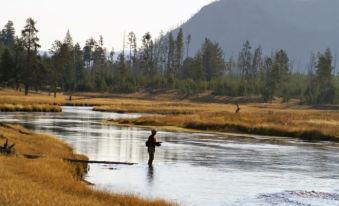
(143, 106)
(49, 180)
(266, 119)
(12, 101)
(14, 97)
(29, 108)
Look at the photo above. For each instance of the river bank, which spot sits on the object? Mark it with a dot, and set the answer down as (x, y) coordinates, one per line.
(260, 119)
(49, 180)
(205, 114)
(29, 108)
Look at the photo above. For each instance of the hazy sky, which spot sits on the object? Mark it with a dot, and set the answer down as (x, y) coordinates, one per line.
(91, 18)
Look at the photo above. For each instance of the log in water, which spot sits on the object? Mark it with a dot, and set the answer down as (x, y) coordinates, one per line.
(99, 162)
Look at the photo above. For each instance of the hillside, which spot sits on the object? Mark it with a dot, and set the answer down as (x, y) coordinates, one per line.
(298, 26)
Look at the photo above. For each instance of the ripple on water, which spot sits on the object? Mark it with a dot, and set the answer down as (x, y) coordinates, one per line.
(300, 198)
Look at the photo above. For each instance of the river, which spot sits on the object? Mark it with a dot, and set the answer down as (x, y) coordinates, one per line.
(195, 168)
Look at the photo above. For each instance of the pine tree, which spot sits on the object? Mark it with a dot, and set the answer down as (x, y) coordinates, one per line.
(68, 40)
(268, 85)
(7, 67)
(245, 65)
(99, 65)
(132, 41)
(311, 91)
(56, 65)
(170, 55)
(69, 70)
(99, 54)
(256, 62)
(280, 73)
(147, 54)
(7, 36)
(88, 51)
(178, 52)
(324, 78)
(160, 51)
(212, 59)
(121, 66)
(192, 69)
(30, 43)
(245, 61)
(188, 42)
(79, 66)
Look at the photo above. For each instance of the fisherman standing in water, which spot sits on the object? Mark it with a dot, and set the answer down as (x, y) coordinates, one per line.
(150, 144)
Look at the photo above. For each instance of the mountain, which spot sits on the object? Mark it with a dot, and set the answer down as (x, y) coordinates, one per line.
(298, 26)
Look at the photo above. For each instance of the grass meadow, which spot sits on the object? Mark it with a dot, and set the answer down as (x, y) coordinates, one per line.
(275, 119)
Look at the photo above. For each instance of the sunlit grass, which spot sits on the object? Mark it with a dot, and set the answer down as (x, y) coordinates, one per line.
(265, 119)
(147, 107)
(50, 180)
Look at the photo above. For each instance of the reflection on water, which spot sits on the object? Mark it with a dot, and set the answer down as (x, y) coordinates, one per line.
(150, 175)
(195, 169)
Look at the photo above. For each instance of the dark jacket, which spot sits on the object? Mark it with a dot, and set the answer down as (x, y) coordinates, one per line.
(151, 142)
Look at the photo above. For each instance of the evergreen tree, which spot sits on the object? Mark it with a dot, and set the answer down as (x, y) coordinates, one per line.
(178, 52)
(256, 62)
(245, 65)
(121, 64)
(68, 40)
(30, 42)
(170, 55)
(88, 51)
(57, 64)
(79, 66)
(147, 54)
(7, 67)
(161, 46)
(245, 61)
(212, 60)
(188, 42)
(19, 57)
(192, 69)
(311, 92)
(7, 36)
(68, 64)
(268, 85)
(280, 74)
(324, 78)
(99, 54)
(132, 41)
(99, 65)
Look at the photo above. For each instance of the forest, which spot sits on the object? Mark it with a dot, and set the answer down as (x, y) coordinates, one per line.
(161, 63)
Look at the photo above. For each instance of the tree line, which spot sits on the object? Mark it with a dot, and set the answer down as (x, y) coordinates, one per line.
(160, 63)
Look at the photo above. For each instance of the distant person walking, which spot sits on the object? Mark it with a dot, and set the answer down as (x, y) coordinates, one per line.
(151, 144)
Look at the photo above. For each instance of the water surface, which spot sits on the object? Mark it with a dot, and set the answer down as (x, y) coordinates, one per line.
(196, 169)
